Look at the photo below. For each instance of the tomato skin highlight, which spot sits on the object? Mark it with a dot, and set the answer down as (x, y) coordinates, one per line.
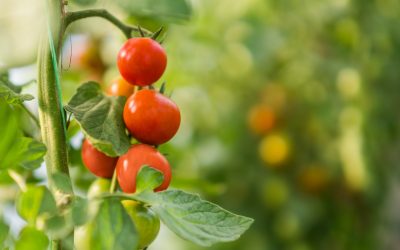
(151, 117)
(120, 87)
(97, 162)
(141, 61)
(139, 155)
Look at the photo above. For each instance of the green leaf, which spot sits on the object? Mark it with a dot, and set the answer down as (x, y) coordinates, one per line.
(100, 118)
(9, 133)
(5, 80)
(35, 201)
(113, 228)
(62, 182)
(12, 97)
(58, 226)
(85, 2)
(32, 239)
(162, 88)
(16, 150)
(25, 152)
(148, 178)
(3, 232)
(163, 10)
(79, 211)
(31, 153)
(194, 219)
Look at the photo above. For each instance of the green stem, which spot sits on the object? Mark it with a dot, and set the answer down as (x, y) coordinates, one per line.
(126, 29)
(113, 182)
(51, 121)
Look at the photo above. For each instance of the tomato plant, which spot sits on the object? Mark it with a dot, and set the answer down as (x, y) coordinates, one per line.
(123, 208)
(151, 117)
(141, 61)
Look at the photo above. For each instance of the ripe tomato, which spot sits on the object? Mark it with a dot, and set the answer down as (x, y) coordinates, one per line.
(141, 61)
(261, 119)
(120, 87)
(146, 222)
(138, 155)
(151, 117)
(98, 163)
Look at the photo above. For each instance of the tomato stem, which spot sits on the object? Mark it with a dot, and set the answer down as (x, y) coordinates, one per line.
(71, 17)
(113, 186)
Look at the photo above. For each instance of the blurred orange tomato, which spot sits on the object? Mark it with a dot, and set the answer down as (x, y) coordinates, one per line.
(274, 149)
(261, 119)
(120, 87)
(82, 53)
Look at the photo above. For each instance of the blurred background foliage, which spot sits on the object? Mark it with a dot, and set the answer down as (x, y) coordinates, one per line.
(289, 110)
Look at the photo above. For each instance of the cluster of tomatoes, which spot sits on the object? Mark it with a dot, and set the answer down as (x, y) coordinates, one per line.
(150, 117)
(265, 119)
(274, 147)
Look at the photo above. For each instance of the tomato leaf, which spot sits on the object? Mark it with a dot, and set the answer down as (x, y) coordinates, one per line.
(16, 150)
(26, 152)
(32, 239)
(35, 201)
(194, 219)
(100, 118)
(31, 153)
(163, 10)
(148, 178)
(8, 133)
(12, 97)
(58, 226)
(79, 211)
(5, 80)
(4, 230)
(85, 2)
(113, 228)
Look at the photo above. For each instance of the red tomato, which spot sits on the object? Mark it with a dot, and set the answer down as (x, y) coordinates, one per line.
(120, 87)
(138, 155)
(151, 117)
(141, 61)
(98, 163)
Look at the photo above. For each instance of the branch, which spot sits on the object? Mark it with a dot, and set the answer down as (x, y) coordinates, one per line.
(71, 17)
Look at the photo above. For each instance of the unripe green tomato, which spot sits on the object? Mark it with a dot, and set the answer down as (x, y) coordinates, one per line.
(275, 192)
(82, 236)
(147, 223)
(98, 187)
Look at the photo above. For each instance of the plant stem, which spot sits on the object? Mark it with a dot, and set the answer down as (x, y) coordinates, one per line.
(126, 29)
(51, 121)
(113, 182)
